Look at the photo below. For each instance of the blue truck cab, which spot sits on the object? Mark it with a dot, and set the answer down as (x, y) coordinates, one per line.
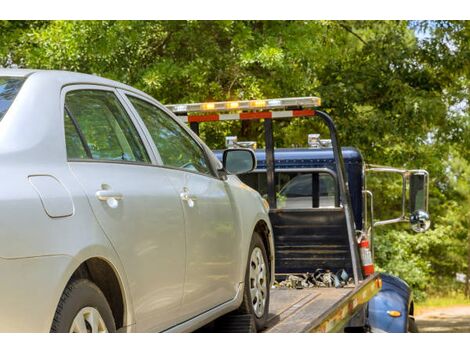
(305, 241)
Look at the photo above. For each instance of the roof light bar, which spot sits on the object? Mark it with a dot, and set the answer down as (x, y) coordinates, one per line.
(259, 104)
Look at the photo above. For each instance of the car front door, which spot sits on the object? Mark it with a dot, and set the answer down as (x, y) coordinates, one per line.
(132, 199)
(212, 241)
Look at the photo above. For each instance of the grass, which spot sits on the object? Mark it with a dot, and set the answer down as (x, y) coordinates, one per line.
(456, 299)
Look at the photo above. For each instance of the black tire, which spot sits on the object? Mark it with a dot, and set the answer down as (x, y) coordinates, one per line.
(77, 295)
(412, 327)
(246, 306)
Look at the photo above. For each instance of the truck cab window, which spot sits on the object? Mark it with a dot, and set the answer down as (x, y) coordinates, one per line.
(298, 190)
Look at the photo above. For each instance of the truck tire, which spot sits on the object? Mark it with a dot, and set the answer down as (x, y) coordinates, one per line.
(257, 284)
(83, 308)
(412, 327)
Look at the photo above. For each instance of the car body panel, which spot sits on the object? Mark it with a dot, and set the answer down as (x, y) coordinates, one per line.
(30, 299)
(148, 233)
(212, 243)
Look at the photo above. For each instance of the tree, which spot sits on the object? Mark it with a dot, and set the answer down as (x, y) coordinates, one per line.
(398, 91)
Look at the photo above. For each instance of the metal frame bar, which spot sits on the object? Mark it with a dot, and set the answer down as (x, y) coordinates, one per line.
(369, 229)
(345, 196)
(270, 162)
(403, 173)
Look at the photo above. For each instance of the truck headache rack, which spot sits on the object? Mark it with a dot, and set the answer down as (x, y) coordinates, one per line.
(269, 110)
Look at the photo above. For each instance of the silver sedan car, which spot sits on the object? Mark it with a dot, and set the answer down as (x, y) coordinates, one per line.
(116, 217)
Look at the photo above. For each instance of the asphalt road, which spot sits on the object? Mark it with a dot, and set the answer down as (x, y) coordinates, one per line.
(444, 319)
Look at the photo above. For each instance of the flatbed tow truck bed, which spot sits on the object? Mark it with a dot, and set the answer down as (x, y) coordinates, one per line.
(318, 309)
(305, 310)
(297, 310)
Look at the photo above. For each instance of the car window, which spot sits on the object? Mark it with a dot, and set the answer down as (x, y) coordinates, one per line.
(294, 190)
(106, 127)
(175, 146)
(9, 88)
(75, 147)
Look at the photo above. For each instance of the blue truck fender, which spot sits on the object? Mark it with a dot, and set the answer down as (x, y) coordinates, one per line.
(395, 295)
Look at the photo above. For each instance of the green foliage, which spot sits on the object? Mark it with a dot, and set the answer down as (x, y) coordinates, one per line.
(398, 91)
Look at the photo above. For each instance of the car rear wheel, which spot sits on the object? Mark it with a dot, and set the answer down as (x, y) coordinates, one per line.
(257, 285)
(83, 309)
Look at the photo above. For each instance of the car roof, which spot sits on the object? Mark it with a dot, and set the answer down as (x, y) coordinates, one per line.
(67, 77)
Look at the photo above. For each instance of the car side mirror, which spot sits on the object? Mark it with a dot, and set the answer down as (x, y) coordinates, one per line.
(238, 161)
(418, 196)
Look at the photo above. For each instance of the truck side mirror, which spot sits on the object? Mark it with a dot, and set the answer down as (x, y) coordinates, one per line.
(238, 161)
(418, 196)
(417, 184)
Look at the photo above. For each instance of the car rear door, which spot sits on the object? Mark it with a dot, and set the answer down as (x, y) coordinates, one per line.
(132, 198)
(213, 247)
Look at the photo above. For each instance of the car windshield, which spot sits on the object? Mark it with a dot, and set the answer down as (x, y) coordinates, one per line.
(9, 88)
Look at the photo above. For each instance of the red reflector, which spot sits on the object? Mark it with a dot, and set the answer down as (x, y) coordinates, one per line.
(303, 112)
(203, 118)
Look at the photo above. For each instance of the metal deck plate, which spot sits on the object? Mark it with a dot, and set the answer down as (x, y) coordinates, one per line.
(293, 310)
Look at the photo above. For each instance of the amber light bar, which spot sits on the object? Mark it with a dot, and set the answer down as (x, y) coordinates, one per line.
(246, 105)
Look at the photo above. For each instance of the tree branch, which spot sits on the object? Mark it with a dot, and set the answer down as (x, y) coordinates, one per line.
(348, 29)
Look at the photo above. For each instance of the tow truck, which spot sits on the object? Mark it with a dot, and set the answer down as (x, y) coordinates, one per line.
(322, 216)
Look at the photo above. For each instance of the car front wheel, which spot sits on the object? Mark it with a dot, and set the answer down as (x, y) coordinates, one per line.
(257, 285)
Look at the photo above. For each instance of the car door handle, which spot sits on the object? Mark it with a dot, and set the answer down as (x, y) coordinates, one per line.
(110, 197)
(107, 194)
(186, 197)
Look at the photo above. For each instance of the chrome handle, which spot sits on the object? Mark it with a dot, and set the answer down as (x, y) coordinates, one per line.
(186, 197)
(107, 194)
(110, 197)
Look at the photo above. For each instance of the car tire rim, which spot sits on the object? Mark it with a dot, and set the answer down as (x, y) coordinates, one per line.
(257, 282)
(88, 320)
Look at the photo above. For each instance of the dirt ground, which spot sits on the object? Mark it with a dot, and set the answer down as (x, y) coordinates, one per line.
(444, 319)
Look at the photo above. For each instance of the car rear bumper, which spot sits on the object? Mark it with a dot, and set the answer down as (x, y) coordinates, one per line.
(31, 288)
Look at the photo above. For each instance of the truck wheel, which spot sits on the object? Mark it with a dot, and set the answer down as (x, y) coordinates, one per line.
(257, 285)
(83, 308)
(412, 327)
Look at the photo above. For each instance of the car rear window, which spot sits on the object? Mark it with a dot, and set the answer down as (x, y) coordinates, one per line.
(9, 88)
